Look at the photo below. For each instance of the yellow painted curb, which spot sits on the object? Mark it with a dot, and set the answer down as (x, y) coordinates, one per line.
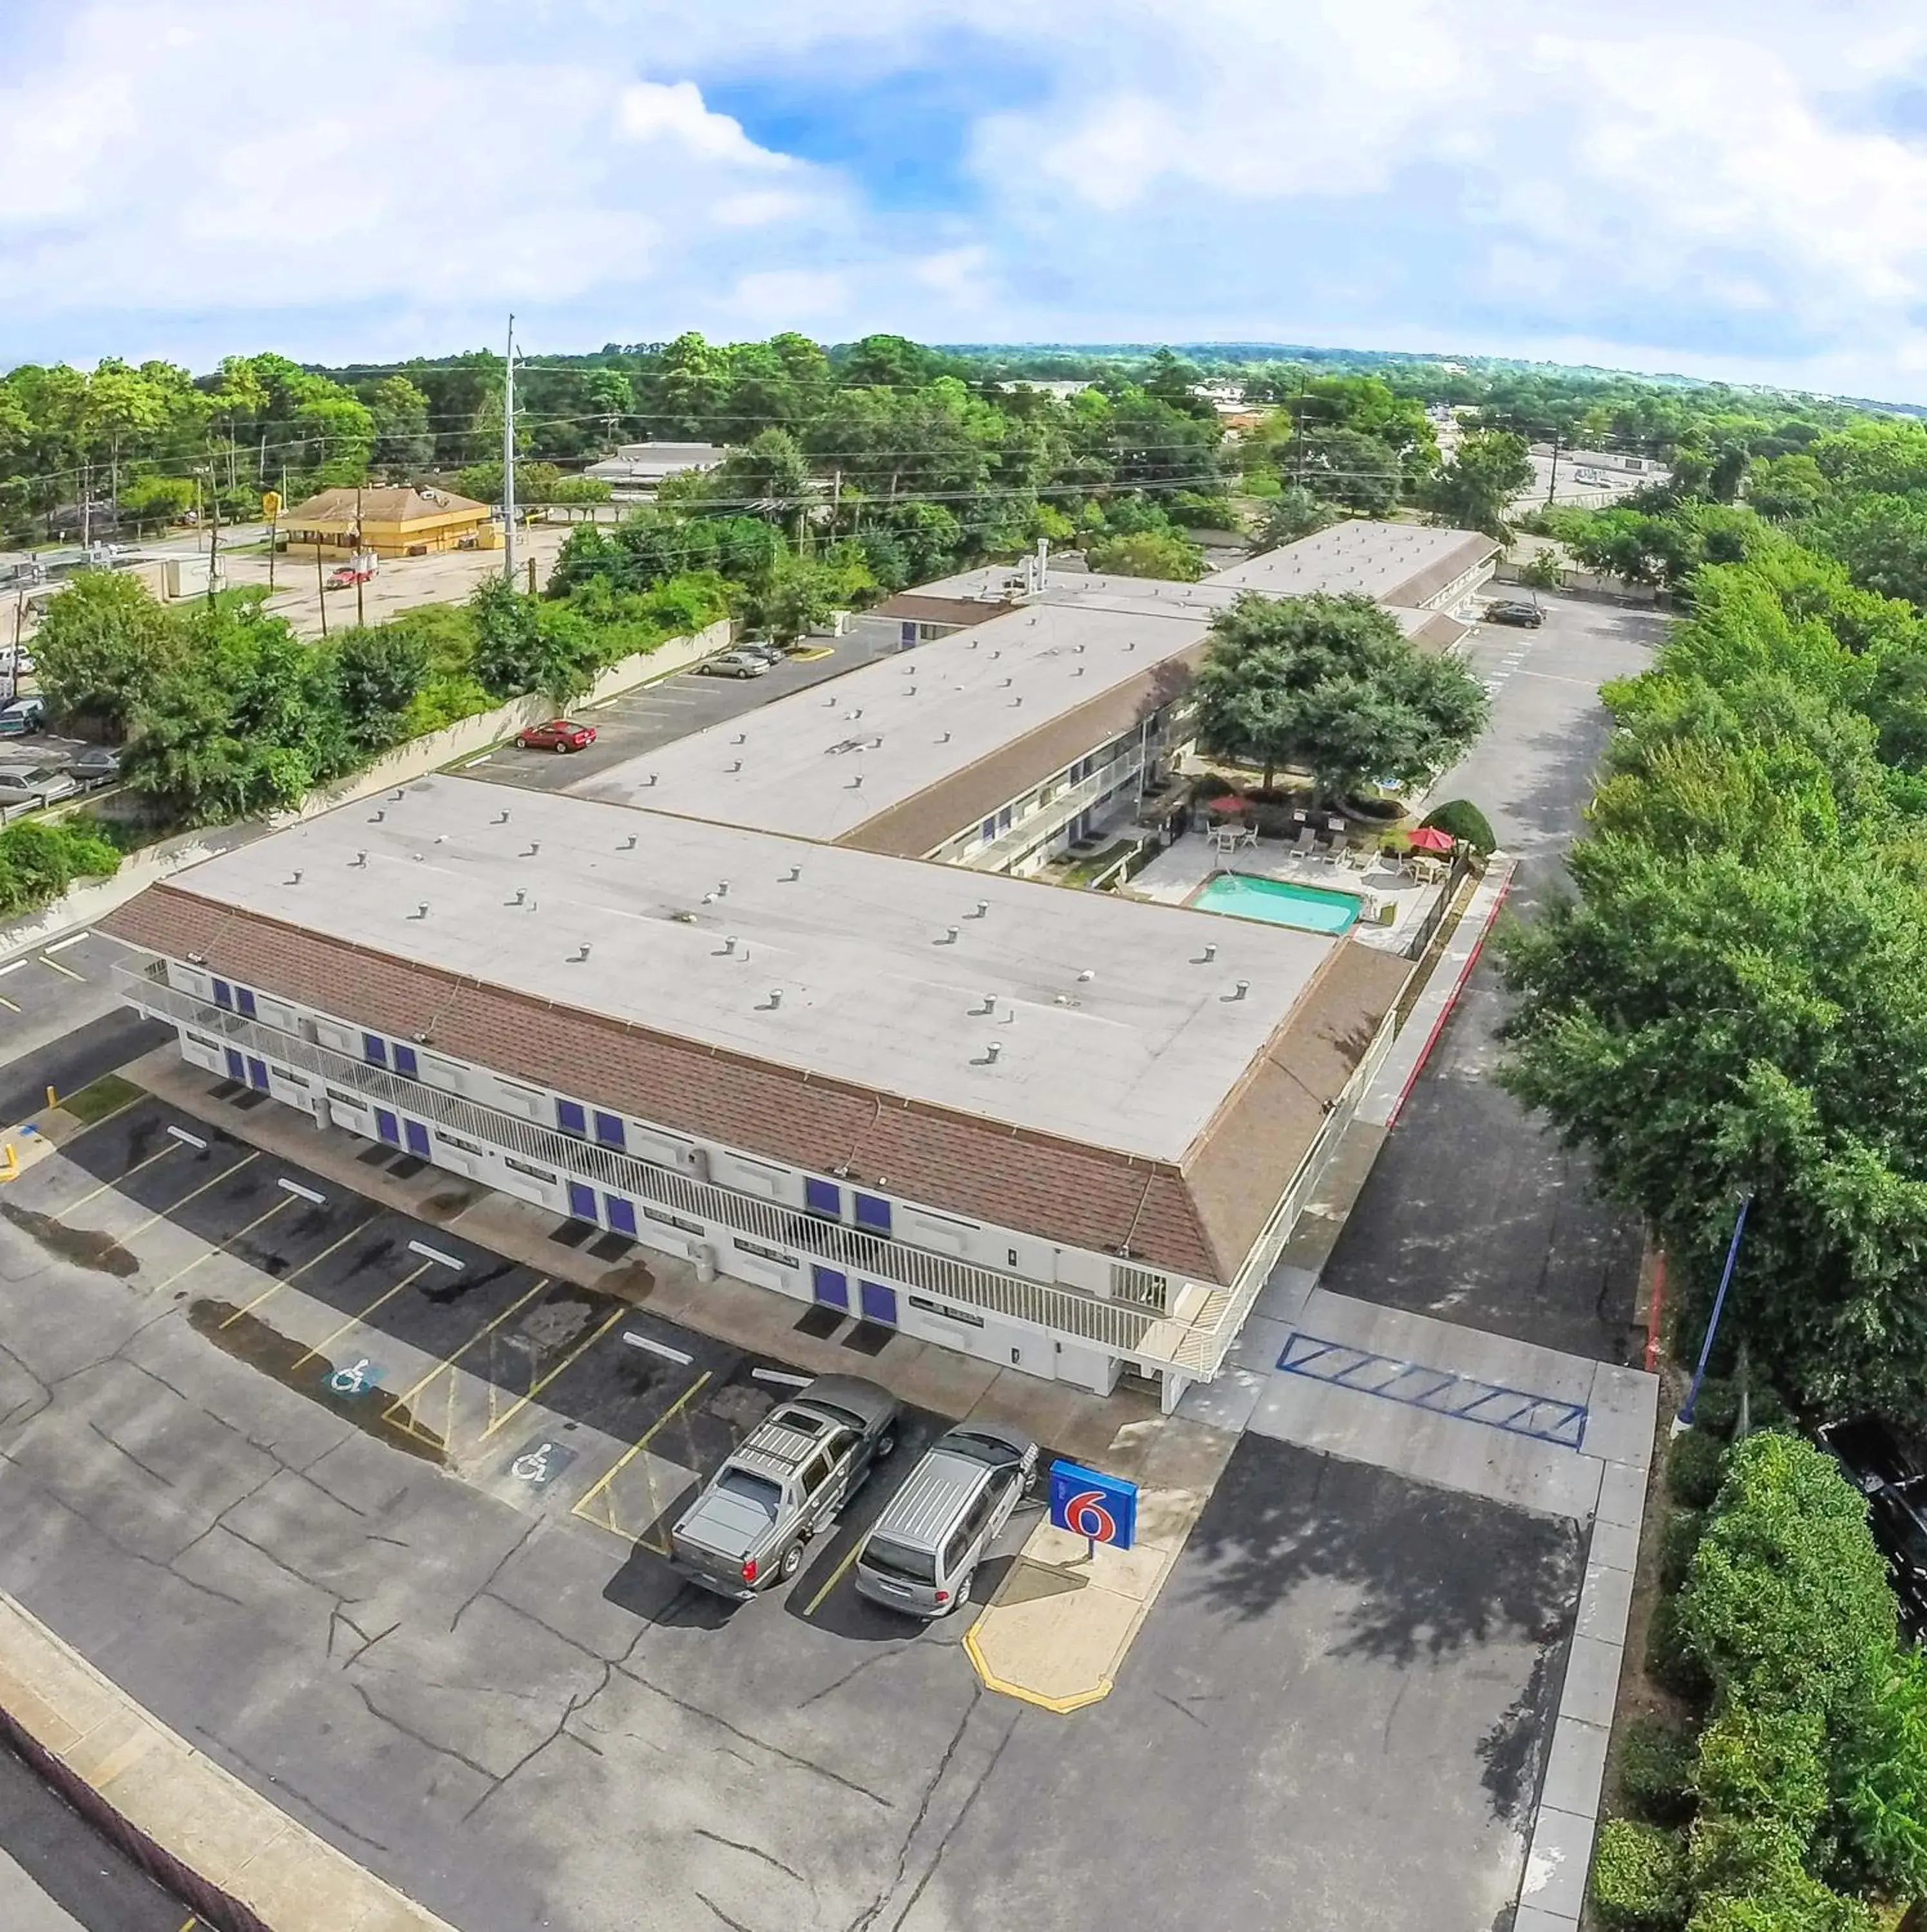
(1062, 1705)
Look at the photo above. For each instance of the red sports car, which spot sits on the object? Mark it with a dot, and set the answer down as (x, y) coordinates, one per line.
(559, 734)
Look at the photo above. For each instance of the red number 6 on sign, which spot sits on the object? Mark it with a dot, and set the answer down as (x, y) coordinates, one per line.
(1085, 1515)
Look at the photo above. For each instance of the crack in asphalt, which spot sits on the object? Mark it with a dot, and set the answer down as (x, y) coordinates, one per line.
(755, 1851)
(760, 1743)
(867, 1917)
(501, 1563)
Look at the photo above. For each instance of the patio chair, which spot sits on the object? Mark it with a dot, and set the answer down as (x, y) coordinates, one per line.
(1306, 843)
(1247, 838)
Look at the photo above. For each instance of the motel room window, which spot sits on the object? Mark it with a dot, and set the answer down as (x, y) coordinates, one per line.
(374, 1049)
(873, 1213)
(571, 1117)
(823, 1197)
(243, 1001)
(609, 1130)
(404, 1060)
(223, 994)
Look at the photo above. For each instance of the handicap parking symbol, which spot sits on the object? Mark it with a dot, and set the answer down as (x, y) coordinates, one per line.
(540, 1462)
(353, 1378)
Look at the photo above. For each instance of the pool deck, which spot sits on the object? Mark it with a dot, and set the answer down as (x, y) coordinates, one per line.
(1181, 871)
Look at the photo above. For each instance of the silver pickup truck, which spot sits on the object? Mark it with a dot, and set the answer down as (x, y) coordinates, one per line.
(783, 1484)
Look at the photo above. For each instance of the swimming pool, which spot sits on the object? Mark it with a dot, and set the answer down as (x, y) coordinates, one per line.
(1279, 902)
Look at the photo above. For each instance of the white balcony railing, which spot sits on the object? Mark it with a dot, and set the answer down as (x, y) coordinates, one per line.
(1195, 1349)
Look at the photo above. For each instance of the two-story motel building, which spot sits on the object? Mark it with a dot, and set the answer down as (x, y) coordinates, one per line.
(727, 1006)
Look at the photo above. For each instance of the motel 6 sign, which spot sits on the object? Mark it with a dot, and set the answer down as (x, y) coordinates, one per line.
(1100, 1508)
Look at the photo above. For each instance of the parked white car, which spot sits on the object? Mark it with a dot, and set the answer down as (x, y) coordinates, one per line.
(28, 785)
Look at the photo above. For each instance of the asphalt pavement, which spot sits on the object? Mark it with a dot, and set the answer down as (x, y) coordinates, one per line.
(1474, 1213)
(642, 721)
(58, 1874)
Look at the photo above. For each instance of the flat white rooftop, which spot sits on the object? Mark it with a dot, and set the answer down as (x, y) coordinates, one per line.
(822, 761)
(1388, 562)
(1109, 1022)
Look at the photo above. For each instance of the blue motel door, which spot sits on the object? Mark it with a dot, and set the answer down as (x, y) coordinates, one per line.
(879, 1302)
(830, 1286)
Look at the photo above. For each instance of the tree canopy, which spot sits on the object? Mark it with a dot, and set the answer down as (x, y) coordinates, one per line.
(1329, 686)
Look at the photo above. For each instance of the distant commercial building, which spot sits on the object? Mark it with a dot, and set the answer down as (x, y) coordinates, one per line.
(400, 520)
(638, 470)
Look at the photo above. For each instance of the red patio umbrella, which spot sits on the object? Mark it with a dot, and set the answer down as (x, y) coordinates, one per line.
(1228, 801)
(1430, 838)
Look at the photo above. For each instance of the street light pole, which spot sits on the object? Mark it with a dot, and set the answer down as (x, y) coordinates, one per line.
(1683, 1420)
(509, 458)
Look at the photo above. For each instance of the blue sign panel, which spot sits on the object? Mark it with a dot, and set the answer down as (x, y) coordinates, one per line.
(1089, 1504)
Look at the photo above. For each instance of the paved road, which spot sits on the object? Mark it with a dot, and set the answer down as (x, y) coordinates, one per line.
(1473, 1212)
(463, 1675)
(644, 720)
(61, 1024)
(58, 1874)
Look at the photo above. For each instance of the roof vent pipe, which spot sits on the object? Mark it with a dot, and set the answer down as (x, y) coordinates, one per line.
(790, 877)
(421, 911)
(294, 878)
(650, 780)
(628, 845)
(500, 818)
(1243, 986)
(741, 738)
(1210, 953)
(991, 1052)
(736, 765)
(775, 1000)
(982, 906)
(361, 859)
(950, 938)
(722, 889)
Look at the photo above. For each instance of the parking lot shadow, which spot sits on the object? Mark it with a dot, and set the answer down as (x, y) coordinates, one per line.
(1434, 1572)
(645, 1587)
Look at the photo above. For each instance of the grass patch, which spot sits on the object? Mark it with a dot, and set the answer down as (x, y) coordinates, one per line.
(96, 1101)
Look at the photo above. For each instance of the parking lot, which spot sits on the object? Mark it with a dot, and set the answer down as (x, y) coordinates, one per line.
(373, 1516)
(555, 1399)
(641, 720)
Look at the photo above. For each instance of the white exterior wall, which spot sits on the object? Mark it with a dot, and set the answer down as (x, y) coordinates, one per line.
(990, 1336)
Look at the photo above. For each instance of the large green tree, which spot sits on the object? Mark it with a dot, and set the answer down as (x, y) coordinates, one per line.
(1476, 488)
(104, 647)
(1330, 686)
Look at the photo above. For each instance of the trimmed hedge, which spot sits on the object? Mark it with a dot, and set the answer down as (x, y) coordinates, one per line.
(1656, 1771)
(1639, 1877)
(1463, 820)
(1678, 1540)
(1693, 1469)
(1669, 1657)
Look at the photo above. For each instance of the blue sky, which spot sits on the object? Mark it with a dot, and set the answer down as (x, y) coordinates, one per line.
(1718, 187)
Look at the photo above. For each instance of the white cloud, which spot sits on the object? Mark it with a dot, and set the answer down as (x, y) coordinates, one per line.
(1705, 183)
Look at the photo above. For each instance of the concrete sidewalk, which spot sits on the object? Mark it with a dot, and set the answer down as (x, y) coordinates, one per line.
(1403, 1065)
(180, 1801)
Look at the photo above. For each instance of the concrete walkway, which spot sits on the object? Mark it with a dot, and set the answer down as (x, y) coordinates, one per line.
(226, 1833)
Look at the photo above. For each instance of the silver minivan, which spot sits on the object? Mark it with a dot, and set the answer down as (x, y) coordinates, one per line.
(925, 1549)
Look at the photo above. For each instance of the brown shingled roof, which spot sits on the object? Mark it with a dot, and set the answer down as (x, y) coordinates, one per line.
(1198, 1218)
(962, 611)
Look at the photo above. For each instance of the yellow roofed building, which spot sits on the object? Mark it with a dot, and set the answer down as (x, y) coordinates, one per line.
(403, 520)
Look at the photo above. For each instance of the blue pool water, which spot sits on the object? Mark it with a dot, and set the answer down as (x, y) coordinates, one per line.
(1279, 902)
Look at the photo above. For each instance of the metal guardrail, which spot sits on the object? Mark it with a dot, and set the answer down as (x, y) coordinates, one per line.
(1192, 1349)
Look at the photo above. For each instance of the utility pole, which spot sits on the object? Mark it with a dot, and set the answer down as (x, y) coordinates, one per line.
(509, 459)
(360, 616)
(86, 507)
(320, 588)
(214, 534)
(1552, 488)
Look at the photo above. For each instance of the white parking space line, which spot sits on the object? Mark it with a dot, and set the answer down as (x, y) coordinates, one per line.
(61, 945)
(662, 1348)
(12, 966)
(65, 972)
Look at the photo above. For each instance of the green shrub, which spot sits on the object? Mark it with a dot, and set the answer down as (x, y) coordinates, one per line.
(1656, 1771)
(1463, 820)
(1788, 1604)
(1692, 1468)
(1741, 1858)
(40, 859)
(1764, 1767)
(1670, 1658)
(1799, 1904)
(1677, 1542)
(1639, 1877)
